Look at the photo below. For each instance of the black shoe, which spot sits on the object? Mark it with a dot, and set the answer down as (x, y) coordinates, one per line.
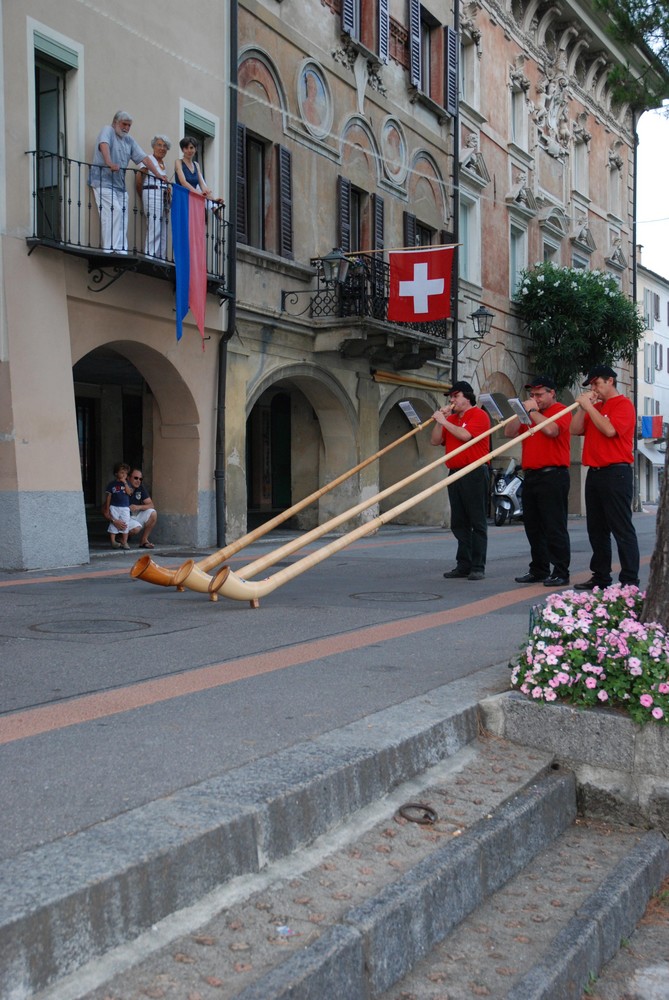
(476, 574)
(556, 581)
(456, 573)
(591, 584)
(530, 578)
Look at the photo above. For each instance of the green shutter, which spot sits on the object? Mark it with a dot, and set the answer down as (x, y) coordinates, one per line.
(62, 54)
(203, 125)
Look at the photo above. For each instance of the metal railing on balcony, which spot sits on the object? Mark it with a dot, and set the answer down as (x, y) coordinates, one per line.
(364, 294)
(65, 216)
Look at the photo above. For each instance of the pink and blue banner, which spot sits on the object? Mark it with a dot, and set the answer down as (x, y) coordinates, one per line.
(189, 246)
(651, 427)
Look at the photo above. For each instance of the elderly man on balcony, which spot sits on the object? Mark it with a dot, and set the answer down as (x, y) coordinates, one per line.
(114, 149)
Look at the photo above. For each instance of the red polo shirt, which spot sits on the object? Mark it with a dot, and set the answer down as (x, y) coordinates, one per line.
(476, 421)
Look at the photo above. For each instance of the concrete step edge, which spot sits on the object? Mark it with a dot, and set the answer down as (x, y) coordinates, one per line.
(378, 943)
(592, 937)
(70, 901)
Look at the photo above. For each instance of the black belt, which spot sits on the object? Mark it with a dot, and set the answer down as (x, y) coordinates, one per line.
(153, 187)
(613, 465)
(546, 468)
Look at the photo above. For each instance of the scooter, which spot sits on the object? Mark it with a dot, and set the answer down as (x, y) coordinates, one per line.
(508, 494)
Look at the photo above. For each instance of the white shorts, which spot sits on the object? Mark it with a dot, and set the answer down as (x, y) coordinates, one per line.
(142, 516)
(122, 514)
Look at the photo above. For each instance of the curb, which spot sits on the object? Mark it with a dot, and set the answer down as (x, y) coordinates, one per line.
(380, 941)
(75, 899)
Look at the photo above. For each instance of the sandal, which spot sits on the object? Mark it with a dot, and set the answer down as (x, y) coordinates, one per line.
(115, 544)
(126, 547)
(147, 545)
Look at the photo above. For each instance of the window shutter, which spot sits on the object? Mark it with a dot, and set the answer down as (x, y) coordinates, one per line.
(285, 202)
(384, 30)
(414, 43)
(242, 227)
(348, 17)
(451, 83)
(409, 230)
(344, 213)
(656, 305)
(378, 235)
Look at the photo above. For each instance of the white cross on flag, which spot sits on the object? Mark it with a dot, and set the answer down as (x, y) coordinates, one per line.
(420, 285)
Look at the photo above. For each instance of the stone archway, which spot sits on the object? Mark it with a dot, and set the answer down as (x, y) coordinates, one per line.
(411, 456)
(321, 420)
(141, 411)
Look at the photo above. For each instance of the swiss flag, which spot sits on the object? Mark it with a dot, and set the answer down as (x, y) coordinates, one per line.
(420, 285)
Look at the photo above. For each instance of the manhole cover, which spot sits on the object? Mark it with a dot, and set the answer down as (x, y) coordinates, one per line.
(89, 626)
(400, 596)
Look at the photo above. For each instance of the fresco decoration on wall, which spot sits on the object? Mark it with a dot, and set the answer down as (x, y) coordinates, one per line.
(394, 149)
(314, 100)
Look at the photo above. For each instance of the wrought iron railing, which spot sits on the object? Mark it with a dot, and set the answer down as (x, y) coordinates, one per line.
(65, 215)
(364, 294)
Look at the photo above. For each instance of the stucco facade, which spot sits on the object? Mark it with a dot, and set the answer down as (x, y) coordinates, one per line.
(363, 126)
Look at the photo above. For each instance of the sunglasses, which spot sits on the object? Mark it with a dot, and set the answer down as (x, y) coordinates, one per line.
(137, 477)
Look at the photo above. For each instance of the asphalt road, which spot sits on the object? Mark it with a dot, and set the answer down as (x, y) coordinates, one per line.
(115, 693)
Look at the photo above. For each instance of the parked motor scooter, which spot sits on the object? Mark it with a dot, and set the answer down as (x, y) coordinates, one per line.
(508, 494)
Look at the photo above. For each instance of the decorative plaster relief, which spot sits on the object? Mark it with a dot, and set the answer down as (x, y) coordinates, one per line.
(313, 97)
(394, 149)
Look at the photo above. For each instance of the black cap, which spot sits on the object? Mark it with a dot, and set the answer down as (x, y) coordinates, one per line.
(541, 381)
(599, 371)
(460, 387)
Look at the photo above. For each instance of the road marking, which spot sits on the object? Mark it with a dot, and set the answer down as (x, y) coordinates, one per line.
(88, 708)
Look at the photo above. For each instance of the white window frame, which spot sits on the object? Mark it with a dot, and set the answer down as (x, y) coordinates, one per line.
(518, 259)
(581, 168)
(518, 118)
(470, 238)
(75, 96)
(468, 72)
(210, 125)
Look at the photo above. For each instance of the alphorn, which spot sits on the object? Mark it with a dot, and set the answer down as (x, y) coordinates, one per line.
(146, 569)
(191, 576)
(237, 589)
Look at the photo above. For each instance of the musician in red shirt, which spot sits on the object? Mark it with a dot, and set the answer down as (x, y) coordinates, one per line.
(455, 424)
(606, 419)
(546, 457)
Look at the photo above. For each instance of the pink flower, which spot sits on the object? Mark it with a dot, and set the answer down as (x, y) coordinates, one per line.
(538, 692)
(591, 682)
(663, 688)
(657, 713)
(646, 700)
(550, 695)
(602, 695)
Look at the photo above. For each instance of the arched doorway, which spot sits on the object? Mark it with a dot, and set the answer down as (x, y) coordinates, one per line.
(132, 405)
(408, 457)
(301, 432)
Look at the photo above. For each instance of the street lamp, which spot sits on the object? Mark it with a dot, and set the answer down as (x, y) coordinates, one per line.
(482, 320)
(335, 267)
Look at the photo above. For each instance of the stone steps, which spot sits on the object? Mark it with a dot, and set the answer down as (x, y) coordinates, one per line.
(507, 894)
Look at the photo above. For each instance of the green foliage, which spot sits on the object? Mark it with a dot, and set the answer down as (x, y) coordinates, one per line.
(576, 319)
(640, 21)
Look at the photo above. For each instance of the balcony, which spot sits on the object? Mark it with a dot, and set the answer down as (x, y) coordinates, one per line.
(65, 217)
(362, 301)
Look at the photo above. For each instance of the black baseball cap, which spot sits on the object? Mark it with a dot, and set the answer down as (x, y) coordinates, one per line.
(541, 381)
(599, 371)
(459, 387)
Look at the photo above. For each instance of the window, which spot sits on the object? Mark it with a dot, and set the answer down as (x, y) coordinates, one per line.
(581, 263)
(368, 22)
(264, 194)
(551, 252)
(580, 179)
(54, 89)
(360, 218)
(203, 129)
(415, 234)
(433, 58)
(470, 238)
(649, 363)
(658, 357)
(648, 309)
(518, 119)
(517, 256)
(656, 306)
(468, 72)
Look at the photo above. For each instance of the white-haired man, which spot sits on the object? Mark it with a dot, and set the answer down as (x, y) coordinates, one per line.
(114, 148)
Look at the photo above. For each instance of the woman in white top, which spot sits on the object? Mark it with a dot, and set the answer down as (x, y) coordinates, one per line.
(155, 199)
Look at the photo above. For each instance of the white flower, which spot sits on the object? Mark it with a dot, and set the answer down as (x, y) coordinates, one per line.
(540, 277)
(524, 291)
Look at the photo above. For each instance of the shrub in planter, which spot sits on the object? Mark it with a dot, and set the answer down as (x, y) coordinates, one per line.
(590, 648)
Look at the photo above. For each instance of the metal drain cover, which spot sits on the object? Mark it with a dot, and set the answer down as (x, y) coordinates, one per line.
(405, 597)
(89, 626)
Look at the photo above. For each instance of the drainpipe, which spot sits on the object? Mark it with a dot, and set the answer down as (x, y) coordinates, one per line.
(456, 203)
(636, 503)
(231, 262)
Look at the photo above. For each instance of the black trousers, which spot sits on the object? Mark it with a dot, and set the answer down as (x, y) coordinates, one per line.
(545, 512)
(608, 508)
(469, 519)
